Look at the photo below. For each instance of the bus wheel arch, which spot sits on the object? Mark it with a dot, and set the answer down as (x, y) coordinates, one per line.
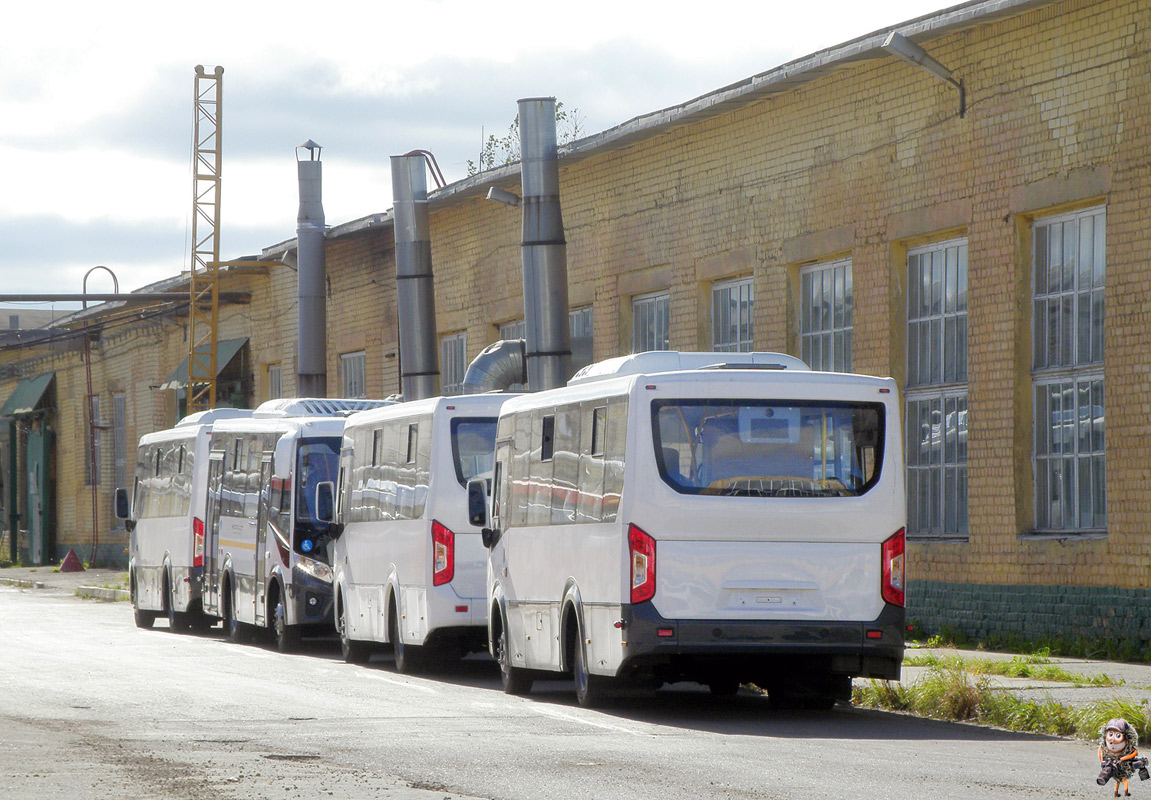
(571, 625)
(353, 651)
(286, 637)
(233, 628)
(407, 657)
(142, 618)
(177, 620)
(591, 690)
(515, 680)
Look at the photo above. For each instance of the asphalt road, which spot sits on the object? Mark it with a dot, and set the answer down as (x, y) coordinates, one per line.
(91, 707)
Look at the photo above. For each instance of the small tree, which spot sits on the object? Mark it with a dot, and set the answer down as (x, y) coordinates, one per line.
(499, 150)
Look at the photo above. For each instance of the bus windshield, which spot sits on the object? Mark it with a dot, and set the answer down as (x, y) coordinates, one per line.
(473, 447)
(317, 460)
(742, 448)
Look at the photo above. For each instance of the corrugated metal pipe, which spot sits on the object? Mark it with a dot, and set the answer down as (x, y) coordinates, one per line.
(312, 323)
(543, 249)
(498, 366)
(416, 303)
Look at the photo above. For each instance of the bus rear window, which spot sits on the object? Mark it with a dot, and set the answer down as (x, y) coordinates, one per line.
(741, 448)
(473, 447)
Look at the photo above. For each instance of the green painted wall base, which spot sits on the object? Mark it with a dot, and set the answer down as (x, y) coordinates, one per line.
(1107, 622)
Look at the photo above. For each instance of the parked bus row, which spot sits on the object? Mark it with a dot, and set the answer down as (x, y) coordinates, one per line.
(714, 517)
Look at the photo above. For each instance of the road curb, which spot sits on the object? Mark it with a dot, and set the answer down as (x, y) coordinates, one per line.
(22, 584)
(93, 592)
(100, 593)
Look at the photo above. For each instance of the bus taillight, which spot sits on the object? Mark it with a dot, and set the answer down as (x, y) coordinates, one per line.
(197, 542)
(444, 554)
(893, 569)
(642, 550)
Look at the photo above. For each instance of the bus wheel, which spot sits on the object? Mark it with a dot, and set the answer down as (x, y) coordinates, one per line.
(177, 621)
(287, 636)
(354, 652)
(233, 628)
(514, 679)
(407, 656)
(591, 690)
(144, 619)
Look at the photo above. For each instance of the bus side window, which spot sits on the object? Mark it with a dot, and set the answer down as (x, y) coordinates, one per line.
(593, 420)
(565, 459)
(540, 469)
(423, 467)
(520, 471)
(614, 456)
(497, 490)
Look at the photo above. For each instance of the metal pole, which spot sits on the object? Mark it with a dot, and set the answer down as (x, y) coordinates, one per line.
(311, 296)
(13, 488)
(415, 289)
(543, 250)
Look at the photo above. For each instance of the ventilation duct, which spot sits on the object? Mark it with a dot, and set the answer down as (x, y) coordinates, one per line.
(419, 361)
(312, 323)
(543, 249)
(497, 367)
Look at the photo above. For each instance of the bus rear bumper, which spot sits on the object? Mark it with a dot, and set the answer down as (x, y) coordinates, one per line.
(689, 649)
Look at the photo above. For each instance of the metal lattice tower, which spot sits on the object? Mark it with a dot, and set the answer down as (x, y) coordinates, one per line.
(204, 283)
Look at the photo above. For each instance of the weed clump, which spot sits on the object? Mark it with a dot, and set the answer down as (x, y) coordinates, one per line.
(951, 693)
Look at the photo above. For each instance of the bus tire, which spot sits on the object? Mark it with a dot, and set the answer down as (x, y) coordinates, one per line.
(177, 620)
(354, 652)
(287, 636)
(407, 656)
(143, 619)
(233, 628)
(515, 681)
(591, 690)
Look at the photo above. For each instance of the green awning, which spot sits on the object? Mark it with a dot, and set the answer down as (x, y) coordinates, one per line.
(26, 396)
(226, 350)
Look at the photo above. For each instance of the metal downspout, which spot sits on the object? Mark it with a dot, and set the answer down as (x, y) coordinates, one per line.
(415, 290)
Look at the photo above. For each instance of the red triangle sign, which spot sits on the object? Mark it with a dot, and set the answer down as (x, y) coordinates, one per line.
(71, 563)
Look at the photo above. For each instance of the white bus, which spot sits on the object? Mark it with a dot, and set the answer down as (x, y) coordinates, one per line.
(409, 569)
(658, 520)
(166, 521)
(266, 555)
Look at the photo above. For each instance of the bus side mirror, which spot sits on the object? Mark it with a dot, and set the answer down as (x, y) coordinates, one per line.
(477, 503)
(124, 510)
(489, 537)
(325, 501)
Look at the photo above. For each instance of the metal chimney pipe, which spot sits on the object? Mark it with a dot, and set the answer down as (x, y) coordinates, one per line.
(543, 250)
(498, 366)
(415, 290)
(312, 324)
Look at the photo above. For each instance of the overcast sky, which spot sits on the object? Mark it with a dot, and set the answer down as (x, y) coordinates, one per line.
(96, 104)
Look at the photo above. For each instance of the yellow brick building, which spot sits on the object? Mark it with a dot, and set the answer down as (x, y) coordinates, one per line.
(991, 260)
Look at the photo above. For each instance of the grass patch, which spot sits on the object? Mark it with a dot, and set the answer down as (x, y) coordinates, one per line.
(953, 694)
(1037, 666)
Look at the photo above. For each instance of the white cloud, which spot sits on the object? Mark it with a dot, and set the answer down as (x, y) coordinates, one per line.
(96, 102)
